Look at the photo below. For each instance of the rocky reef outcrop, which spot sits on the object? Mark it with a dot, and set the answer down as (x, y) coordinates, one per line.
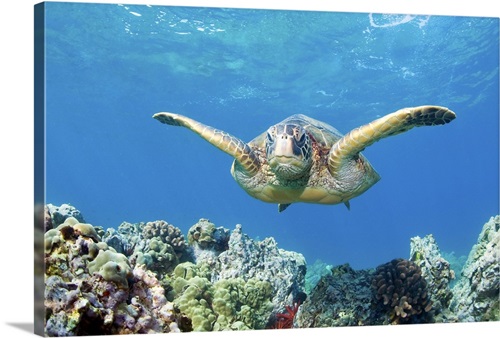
(342, 298)
(438, 274)
(414, 290)
(476, 294)
(56, 215)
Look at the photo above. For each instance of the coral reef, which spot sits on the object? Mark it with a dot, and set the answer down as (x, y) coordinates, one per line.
(125, 239)
(401, 291)
(193, 298)
(394, 293)
(158, 245)
(147, 278)
(435, 269)
(423, 295)
(243, 304)
(476, 294)
(47, 218)
(144, 277)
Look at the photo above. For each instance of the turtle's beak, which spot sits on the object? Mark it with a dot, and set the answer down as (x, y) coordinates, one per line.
(284, 146)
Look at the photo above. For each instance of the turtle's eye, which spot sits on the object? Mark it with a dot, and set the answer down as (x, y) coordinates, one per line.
(299, 135)
(269, 137)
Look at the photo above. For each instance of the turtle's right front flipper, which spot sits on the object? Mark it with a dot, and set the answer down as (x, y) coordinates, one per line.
(389, 125)
(229, 144)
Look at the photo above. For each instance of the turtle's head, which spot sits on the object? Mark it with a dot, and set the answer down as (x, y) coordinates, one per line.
(288, 150)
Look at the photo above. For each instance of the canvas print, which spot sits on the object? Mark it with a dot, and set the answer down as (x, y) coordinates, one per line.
(223, 169)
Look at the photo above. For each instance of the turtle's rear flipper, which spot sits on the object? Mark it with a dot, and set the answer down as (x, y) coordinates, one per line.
(349, 146)
(229, 144)
(283, 206)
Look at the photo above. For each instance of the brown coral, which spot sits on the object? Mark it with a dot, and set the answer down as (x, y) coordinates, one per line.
(167, 232)
(400, 289)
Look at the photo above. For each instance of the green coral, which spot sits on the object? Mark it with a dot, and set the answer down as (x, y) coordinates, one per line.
(186, 271)
(195, 301)
(228, 304)
(227, 301)
(246, 303)
(159, 257)
(87, 230)
(71, 229)
(193, 296)
(64, 231)
(111, 266)
(51, 238)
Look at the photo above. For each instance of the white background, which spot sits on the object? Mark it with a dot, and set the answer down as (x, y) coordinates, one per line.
(16, 166)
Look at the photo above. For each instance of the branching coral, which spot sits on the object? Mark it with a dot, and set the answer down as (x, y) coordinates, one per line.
(400, 289)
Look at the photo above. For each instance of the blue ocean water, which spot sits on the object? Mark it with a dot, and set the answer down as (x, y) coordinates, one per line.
(109, 68)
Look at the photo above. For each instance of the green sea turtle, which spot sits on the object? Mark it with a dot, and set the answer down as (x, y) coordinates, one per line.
(302, 159)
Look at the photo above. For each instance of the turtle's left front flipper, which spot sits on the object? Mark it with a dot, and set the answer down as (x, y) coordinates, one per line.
(222, 140)
(392, 124)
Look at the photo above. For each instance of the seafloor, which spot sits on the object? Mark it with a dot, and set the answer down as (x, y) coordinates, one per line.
(150, 277)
